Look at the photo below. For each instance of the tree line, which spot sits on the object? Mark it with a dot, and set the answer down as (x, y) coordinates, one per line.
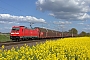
(75, 31)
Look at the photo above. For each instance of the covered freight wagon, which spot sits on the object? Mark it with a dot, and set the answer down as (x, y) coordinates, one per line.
(47, 33)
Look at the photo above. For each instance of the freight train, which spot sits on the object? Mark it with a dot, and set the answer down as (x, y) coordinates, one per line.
(23, 33)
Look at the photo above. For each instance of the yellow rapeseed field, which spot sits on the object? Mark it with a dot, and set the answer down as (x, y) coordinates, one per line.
(62, 49)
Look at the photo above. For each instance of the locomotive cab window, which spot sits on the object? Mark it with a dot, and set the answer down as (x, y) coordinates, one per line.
(16, 29)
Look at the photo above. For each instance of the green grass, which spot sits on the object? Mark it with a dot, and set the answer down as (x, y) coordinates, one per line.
(4, 37)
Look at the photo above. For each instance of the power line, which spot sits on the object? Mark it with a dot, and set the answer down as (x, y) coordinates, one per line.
(13, 7)
(4, 9)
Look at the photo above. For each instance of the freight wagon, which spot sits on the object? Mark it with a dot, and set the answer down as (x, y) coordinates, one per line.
(23, 33)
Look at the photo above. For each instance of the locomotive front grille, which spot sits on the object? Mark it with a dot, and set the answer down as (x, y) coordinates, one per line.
(14, 37)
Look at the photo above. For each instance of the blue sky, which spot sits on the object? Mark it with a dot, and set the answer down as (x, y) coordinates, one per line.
(52, 14)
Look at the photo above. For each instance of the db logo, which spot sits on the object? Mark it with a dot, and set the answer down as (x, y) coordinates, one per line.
(41, 33)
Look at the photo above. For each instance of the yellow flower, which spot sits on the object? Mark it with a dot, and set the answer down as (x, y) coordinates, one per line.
(0, 55)
(2, 46)
(5, 59)
(0, 50)
(0, 58)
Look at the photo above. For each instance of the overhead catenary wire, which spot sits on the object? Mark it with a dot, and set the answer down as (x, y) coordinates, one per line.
(12, 7)
(4, 9)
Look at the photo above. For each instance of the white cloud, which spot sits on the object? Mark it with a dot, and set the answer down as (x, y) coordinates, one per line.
(88, 25)
(7, 22)
(81, 23)
(0, 29)
(62, 23)
(2, 22)
(4, 18)
(7, 28)
(66, 9)
(86, 28)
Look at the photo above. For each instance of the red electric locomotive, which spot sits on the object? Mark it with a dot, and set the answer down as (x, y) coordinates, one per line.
(21, 33)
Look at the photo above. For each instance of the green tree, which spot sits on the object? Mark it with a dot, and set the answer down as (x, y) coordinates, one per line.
(73, 31)
(83, 33)
(88, 34)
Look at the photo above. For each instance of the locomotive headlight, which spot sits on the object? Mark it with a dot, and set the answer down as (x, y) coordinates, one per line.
(17, 33)
(12, 33)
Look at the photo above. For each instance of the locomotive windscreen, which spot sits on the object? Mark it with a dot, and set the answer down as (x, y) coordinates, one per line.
(15, 29)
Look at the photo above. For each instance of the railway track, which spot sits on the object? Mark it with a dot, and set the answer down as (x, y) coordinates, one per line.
(8, 43)
(31, 42)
